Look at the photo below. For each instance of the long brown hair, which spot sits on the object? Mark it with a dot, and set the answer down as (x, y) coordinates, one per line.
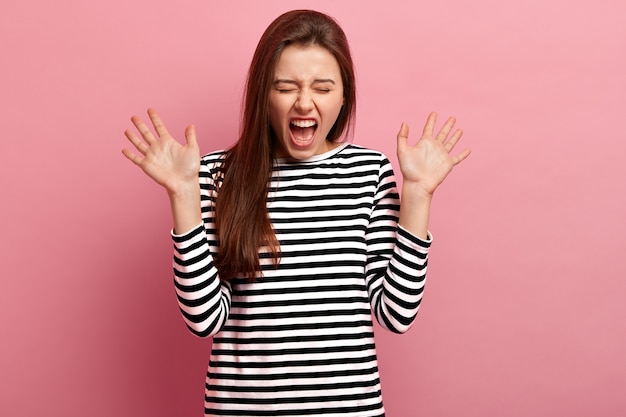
(241, 216)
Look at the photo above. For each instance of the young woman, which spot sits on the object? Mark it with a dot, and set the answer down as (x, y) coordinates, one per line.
(288, 243)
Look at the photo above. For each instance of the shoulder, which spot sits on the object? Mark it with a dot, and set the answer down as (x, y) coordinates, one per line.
(365, 160)
(361, 155)
(358, 151)
(211, 164)
(213, 157)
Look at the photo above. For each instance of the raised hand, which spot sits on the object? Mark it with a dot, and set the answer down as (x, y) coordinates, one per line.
(162, 158)
(427, 163)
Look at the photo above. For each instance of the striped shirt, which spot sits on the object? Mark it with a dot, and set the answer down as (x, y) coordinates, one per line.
(299, 340)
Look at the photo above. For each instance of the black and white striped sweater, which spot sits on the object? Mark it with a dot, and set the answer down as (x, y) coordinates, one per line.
(299, 340)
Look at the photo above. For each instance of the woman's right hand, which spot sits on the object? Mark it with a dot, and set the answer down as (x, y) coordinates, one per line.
(164, 159)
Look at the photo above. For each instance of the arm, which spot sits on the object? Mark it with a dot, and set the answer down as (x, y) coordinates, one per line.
(203, 299)
(396, 270)
(396, 260)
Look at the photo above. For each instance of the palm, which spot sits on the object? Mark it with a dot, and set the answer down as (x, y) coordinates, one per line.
(163, 158)
(428, 162)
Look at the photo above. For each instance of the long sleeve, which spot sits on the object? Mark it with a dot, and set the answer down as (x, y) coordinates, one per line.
(396, 260)
(204, 299)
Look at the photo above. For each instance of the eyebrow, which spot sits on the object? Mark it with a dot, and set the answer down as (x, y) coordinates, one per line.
(316, 81)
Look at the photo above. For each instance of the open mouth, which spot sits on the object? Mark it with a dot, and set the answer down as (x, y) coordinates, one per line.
(302, 131)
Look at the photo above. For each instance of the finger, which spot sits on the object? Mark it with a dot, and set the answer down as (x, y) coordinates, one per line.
(158, 124)
(141, 147)
(461, 156)
(403, 136)
(450, 143)
(429, 127)
(190, 135)
(146, 134)
(445, 129)
(136, 159)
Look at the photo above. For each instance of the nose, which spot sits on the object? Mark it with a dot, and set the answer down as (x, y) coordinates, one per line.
(304, 103)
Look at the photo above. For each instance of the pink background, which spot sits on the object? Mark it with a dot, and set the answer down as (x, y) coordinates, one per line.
(524, 313)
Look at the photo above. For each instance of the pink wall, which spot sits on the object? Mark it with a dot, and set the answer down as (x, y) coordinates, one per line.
(524, 313)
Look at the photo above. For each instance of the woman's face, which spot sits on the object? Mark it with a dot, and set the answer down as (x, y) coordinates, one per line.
(305, 100)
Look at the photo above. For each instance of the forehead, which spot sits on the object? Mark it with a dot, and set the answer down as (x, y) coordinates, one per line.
(304, 62)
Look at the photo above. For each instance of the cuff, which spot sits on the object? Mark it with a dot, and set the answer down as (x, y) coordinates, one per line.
(189, 235)
(414, 240)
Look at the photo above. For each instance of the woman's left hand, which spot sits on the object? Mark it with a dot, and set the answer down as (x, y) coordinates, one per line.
(427, 163)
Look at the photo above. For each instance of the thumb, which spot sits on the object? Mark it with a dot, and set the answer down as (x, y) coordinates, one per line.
(190, 136)
(403, 136)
